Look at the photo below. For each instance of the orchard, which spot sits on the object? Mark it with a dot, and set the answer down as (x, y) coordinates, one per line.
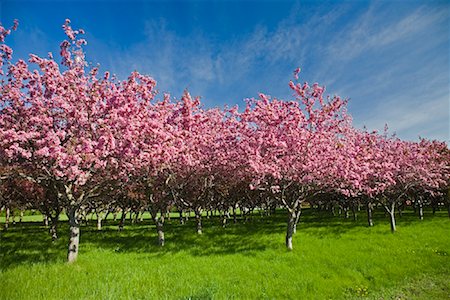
(77, 142)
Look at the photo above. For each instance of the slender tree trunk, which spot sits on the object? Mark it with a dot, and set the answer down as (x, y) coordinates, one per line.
(122, 219)
(370, 213)
(99, 221)
(7, 218)
(53, 230)
(106, 215)
(391, 214)
(355, 215)
(181, 216)
(74, 240)
(198, 217)
(290, 228)
(45, 220)
(297, 219)
(234, 215)
(160, 228)
(13, 217)
(420, 203)
(392, 219)
(21, 217)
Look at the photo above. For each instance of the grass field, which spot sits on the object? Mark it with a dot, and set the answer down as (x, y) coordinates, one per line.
(333, 258)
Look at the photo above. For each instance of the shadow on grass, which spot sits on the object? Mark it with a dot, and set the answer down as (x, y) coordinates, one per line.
(30, 243)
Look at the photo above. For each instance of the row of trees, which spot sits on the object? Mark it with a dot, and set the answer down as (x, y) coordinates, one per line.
(73, 140)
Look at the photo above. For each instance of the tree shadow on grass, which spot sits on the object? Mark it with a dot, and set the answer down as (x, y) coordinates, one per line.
(30, 243)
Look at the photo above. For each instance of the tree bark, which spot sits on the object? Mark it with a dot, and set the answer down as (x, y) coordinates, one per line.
(7, 218)
(99, 221)
(392, 219)
(160, 228)
(290, 228)
(391, 214)
(355, 215)
(122, 219)
(74, 240)
(198, 217)
(181, 217)
(45, 220)
(53, 230)
(420, 204)
(370, 213)
(297, 219)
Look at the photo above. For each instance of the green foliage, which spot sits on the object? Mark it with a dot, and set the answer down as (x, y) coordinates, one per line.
(333, 258)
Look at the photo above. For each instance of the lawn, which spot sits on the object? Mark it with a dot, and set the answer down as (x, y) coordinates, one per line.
(333, 258)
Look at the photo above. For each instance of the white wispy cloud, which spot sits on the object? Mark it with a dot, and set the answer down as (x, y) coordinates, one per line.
(390, 59)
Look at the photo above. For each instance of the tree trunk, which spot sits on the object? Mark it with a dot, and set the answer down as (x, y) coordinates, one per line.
(391, 214)
(99, 221)
(420, 204)
(21, 217)
(74, 240)
(53, 230)
(181, 216)
(234, 215)
(297, 219)
(13, 217)
(355, 215)
(198, 217)
(7, 218)
(392, 219)
(160, 228)
(370, 213)
(45, 219)
(122, 219)
(290, 228)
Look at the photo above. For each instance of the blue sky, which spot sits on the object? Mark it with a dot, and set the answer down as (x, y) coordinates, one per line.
(391, 58)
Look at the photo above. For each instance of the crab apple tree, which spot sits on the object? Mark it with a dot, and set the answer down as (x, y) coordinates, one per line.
(291, 145)
(67, 126)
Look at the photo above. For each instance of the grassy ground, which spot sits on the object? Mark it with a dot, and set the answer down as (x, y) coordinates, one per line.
(333, 258)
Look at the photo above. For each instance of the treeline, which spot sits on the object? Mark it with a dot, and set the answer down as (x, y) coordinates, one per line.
(75, 141)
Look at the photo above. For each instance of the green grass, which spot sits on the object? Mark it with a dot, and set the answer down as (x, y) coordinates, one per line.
(333, 258)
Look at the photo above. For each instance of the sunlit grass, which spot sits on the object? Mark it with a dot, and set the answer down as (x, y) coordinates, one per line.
(333, 258)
